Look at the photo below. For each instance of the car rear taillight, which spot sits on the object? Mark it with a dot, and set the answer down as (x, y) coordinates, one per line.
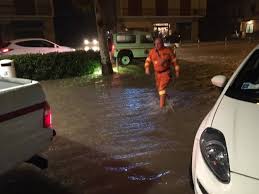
(113, 49)
(47, 116)
(5, 50)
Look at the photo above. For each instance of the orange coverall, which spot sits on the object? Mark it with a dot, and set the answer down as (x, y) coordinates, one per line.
(162, 59)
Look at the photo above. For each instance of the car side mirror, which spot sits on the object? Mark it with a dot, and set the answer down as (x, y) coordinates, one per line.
(219, 81)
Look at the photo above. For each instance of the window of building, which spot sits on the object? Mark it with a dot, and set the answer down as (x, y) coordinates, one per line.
(185, 7)
(253, 8)
(250, 27)
(185, 30)
(126, 38)
(44, 7)
(161, 7)
(27, 29)
(161, 29)
(239, 12)
(135, 7)
(25, 8)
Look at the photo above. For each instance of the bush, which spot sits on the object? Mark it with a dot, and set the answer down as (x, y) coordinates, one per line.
(55, 65)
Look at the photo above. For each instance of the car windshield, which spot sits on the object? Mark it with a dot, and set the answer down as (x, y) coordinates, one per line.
(246, 85)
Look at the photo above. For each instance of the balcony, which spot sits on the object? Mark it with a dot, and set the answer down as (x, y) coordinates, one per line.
(187, 12)
(7, 8)
(171, 12)
(35, 8)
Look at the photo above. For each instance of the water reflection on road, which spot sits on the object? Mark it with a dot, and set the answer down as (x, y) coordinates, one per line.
(131, 136)
(113, 138)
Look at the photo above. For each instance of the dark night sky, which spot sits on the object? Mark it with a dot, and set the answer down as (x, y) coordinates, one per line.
(72, 26)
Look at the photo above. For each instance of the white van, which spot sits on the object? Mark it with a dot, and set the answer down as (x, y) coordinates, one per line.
(129, 45)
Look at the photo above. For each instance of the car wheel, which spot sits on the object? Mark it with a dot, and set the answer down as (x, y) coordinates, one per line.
(125, 59)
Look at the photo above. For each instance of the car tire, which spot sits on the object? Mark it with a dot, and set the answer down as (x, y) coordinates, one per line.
(125, 58)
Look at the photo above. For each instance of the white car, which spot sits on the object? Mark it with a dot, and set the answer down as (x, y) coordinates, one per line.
(26, 123)
(31, 46)
(225, 155)
(129, 45)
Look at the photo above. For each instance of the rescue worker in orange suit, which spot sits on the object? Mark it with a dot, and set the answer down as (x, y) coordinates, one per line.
(162, 58)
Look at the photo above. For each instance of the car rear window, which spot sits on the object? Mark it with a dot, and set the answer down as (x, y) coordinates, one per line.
(5, 44)
(246, 85)
(35, 43)
(27, 44)
(125, 38)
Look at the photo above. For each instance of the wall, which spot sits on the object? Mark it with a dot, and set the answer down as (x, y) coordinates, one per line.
(26, 18)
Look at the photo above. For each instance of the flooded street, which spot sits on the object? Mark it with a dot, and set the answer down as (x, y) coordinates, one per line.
(112, 136)
(117, 140)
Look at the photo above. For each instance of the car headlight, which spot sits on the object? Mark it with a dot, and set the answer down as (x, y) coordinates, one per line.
(95, 48)
(87, 48)
(86, 41)
(95, 42)
(214, 151)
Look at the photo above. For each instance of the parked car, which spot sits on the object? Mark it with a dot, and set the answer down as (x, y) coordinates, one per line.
(91, 45)
(31, 46)
(172, 41)
(129, 45)
(234, 36)
(26, 126)
(225, 152)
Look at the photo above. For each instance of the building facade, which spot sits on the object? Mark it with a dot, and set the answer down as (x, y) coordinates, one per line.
(162, 16)
(249, 26)
(230, 19)
(26, 19)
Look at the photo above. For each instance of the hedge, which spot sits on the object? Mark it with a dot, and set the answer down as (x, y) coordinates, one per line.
(55, 65)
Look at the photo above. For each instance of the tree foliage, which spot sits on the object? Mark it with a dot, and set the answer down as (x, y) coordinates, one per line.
(102, 23)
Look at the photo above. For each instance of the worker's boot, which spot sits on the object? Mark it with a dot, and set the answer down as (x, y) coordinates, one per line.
(162, 101)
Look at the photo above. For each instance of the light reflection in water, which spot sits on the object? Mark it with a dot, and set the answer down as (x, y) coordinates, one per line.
(127, 168)
(129, 116)
(148, 178)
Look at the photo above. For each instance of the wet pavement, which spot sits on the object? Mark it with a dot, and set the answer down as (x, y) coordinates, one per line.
(117, 140)
(113, 138)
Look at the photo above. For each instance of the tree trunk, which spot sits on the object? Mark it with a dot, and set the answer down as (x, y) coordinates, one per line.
(101, 31)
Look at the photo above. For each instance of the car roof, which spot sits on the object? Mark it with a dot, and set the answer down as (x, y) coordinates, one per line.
(27, 39)
(133, 32)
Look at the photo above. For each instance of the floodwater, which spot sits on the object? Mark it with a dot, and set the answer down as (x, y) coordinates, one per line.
(112, 137)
